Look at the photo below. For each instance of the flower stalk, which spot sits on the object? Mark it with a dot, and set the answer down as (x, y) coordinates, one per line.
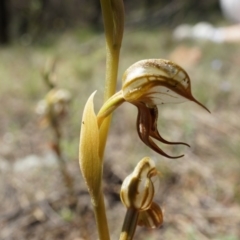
(113, 18)
(129, 225)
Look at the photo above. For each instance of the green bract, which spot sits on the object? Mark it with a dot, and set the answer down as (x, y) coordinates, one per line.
(90, 163)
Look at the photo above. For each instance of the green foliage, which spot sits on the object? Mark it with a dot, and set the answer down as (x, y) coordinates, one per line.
(66, 214)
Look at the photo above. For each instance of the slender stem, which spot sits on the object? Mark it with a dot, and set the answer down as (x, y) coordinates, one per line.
(110, 88)
(67, 178)
(100, 216)
(113, 18)
(129, 225)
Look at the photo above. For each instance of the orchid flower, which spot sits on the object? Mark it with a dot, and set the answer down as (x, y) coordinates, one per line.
(147, 84)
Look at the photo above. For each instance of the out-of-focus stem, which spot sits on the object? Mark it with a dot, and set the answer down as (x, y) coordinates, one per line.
(57, 148)
(55, 126)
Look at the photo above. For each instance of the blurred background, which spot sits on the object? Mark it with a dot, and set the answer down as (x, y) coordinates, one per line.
(49, 45)
(31, 21)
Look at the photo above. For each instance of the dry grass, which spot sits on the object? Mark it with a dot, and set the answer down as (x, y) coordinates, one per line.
(199, 193)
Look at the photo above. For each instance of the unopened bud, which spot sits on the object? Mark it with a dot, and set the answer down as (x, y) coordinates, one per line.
(138, 188)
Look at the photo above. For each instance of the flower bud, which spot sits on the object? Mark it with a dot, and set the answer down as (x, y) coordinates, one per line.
(138, 188)
(54, 106)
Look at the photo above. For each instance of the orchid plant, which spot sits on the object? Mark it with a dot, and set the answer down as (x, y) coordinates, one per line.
(146, 84)
(52, 109)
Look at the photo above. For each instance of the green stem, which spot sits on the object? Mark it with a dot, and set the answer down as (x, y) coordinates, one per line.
(57, 148)
(100, 216)
(109, 106)
(113, 18)
(129, 225)
(110, 88)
